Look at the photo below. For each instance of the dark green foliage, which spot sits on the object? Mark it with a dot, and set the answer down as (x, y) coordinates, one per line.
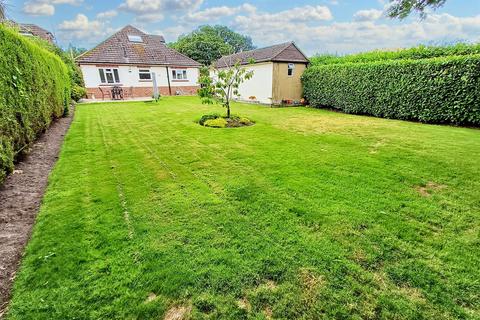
(420, 52)
(68, 57)
(35, 88)
(208, 117)
(78, 92)
(402, 8)
(438, 90)
(208, 43)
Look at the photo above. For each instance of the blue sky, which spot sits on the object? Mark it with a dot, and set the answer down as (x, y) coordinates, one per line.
(333, 26)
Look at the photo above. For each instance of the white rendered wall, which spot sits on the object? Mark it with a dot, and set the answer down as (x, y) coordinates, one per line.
(260, 85)
(129, 76)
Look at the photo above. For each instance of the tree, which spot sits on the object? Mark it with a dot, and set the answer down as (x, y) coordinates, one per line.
(202, 47)
(223, 85)
(2, 10)
(237, 41)
(402, 8)
(207, 44)
(74, 52)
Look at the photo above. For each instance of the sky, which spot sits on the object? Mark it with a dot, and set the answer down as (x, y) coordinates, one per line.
(321, 26)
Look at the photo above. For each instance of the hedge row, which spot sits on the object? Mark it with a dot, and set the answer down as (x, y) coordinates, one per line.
(421, 52)
(438, 90)
(34, 89)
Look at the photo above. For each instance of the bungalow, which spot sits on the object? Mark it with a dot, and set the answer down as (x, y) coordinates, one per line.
(277, 71)
(135, 61)
(32, 30)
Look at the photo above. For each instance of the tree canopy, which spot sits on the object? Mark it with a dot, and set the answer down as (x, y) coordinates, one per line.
(403, 8)
(208, 43)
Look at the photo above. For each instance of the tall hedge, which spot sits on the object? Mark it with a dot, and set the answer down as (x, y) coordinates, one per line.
(420, 52)
(438, 90)
(34, 89)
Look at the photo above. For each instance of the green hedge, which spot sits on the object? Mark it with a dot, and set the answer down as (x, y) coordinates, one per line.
(35, 88)
(438, 90)
(421, 52)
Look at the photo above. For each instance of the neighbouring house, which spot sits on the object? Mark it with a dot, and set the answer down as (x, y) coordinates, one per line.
(32, 30)
(134, 61)
(277, 72)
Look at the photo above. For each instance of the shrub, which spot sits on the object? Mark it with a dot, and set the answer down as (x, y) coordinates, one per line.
(420, 52)
(208, 117)
(245, 121)
(78, 92)
(216, 123)
(438, 90)
(35, 88)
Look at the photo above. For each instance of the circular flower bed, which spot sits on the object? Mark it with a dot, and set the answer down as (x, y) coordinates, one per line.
(217, 121)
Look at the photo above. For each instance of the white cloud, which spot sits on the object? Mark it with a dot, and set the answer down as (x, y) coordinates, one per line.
(304, 14)
(107, 14)
(347, 37)
(142, 7)
(82, 28)
(217, 13)
(38, 9)
(368, 15)
(45, 7)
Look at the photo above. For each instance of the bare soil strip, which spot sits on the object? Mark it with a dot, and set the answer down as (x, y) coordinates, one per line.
(20, 199)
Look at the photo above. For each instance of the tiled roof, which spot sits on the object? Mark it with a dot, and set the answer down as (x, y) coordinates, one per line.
(118, 49)
(285, 52)
(33, 29)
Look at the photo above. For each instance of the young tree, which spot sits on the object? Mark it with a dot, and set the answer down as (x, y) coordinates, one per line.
(224, 84)
(402, 8)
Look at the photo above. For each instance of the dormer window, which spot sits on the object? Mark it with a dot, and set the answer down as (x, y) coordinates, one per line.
(133, 38)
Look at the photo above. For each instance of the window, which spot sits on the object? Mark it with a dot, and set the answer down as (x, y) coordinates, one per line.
(133, 38)
(145, 74)
(291, 67)
(179, 74)
(109, 75)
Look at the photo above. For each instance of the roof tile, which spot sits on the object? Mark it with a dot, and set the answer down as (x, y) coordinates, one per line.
(119, 50)
(285, 52)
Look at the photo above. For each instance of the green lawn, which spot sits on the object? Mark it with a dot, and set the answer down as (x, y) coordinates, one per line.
(308, 214)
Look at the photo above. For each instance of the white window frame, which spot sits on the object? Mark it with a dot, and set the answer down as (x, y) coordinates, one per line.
(291, 69)
(144, 71)
(179, 74)
(135, 38)
(109, 71)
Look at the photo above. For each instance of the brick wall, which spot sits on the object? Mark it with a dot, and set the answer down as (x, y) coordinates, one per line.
(140, 92)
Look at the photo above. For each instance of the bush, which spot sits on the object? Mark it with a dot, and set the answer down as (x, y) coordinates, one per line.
(35, 88)
(420, 52)
(216, 123)
(438, 90)
(206, 117)
(78, 92)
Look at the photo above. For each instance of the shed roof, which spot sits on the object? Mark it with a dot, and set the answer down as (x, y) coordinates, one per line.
(285, 52)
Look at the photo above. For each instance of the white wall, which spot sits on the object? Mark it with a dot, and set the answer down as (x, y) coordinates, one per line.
(129, 76)
(260, 85)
